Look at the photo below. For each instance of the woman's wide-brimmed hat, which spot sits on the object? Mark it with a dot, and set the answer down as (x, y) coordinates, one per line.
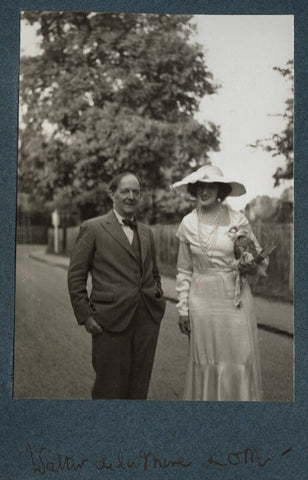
(211, 174)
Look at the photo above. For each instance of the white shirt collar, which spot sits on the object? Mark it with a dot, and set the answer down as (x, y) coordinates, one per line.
(119, 217)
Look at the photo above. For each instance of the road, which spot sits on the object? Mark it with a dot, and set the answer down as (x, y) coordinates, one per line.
(52, 355)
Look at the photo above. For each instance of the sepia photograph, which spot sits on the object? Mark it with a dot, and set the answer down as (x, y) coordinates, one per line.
(155, 199)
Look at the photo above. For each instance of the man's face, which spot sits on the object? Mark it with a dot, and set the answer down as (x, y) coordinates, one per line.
(126, 197)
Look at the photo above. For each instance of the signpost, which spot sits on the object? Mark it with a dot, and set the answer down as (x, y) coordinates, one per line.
(55, 218)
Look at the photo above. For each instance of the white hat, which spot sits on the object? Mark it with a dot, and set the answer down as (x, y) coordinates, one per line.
(211, 174)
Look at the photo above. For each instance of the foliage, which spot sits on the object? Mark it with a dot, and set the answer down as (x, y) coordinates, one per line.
(282, 143)
(28, 211)
(110, 93)
(271, 210)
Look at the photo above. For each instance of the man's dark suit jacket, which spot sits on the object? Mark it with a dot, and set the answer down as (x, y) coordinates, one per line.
(103, 249)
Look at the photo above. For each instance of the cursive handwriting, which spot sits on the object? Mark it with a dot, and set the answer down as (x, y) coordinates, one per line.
(44, 461)
(244, 457)
(41, 463)
(150, 461)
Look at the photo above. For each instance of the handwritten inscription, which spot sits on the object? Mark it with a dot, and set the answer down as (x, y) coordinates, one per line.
(43, 461)
(248, 456)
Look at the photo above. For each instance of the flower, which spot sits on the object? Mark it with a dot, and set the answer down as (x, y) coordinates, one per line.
(248, 260)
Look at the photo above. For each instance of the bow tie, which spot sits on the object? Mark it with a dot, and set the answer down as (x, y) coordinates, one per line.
(130, 223)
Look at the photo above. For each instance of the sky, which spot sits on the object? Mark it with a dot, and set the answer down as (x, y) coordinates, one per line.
(240, 52)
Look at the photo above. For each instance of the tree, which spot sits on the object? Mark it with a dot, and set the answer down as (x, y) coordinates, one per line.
(107, 93)
(271, 210)
(282, 143)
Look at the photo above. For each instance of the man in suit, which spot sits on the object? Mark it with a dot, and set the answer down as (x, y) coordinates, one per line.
(126, 304)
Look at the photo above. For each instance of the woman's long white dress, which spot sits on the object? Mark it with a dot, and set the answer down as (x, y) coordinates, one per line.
(223, 358)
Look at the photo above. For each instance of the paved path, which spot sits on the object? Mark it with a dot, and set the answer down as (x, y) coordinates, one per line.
(273, 314)
(52, 355)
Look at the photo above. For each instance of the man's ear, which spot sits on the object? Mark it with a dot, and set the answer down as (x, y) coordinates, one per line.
(111, 194)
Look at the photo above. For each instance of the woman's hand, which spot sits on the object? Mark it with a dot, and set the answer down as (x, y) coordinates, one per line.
(184, 324)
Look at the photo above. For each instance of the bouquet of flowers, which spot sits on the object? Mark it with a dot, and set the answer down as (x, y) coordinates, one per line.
(248, 260)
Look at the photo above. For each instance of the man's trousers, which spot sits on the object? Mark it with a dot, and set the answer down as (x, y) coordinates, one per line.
(123, 361)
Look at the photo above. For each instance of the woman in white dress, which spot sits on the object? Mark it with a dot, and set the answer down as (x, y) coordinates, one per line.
(223, 359)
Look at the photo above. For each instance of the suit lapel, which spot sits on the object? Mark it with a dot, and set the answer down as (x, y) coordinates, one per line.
(142, 240)
(111, 224)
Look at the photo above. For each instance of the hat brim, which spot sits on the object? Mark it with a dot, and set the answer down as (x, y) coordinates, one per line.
(237, 188)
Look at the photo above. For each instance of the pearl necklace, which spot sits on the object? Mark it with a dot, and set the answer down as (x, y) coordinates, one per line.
(207, 242)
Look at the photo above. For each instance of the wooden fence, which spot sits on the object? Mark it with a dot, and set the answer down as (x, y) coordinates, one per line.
(280, 279)
(279, 282)
(31, 234)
